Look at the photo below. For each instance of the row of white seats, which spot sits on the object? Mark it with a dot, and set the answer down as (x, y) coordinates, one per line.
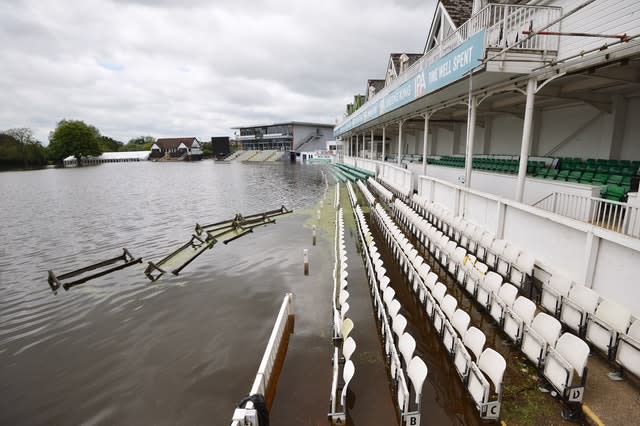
(400, 191)
(507, 259)
(399, 351)
(382, 192)
(538, 336)
(607, 325)
(344, 345)
(452, 324)
(365, 191)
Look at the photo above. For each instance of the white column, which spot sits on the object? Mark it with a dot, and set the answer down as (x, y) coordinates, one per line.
(384, 140)
(526, 138)
(425, 139)
(400, 123)
(471, 127)
(372, 144)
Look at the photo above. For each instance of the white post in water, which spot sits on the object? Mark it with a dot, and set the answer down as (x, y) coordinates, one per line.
(306, 262)
(313, 232)
(318, 214)
(526, 138)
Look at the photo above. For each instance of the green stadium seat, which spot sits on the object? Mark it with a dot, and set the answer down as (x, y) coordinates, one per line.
(602, 169)
(551, 174)
(574, 176)
(587, 177)
(614, 180)
(591, 168)
(615, 193)
(600, 178)
(563, 175)
(628, 171)
(581, 167)
(615, 170)
(542, 172)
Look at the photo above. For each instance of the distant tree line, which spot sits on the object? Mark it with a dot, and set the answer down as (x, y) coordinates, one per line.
(19, 149)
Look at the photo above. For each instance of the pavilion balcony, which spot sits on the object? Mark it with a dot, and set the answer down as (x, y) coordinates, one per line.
(475, 46)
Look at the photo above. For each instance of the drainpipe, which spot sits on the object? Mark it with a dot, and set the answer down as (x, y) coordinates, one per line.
(526, 138)
(372, 144)
(471, 127)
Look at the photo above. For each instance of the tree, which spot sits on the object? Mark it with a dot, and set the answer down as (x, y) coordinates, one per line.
(108, 144)
(141, 143)
(74, 137)
(19, 149)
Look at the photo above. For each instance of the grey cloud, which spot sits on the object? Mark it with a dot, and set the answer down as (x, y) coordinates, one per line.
(196, 70)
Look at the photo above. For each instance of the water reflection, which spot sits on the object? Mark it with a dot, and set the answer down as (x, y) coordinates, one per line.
(120, 349)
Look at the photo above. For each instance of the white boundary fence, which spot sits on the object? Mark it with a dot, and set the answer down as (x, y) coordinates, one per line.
(248, 416)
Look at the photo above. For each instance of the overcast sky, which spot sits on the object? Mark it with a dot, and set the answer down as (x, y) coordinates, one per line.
(160, 68)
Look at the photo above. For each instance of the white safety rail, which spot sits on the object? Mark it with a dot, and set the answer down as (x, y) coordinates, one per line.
(403, 366)
(588, 254)
(398, 179)
(247, 416)
(557, 357)
(343, 368)
(612, 215)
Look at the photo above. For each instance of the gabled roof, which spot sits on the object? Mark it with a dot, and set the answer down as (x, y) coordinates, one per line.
(378, 85)
(459, 10)
(172, 143)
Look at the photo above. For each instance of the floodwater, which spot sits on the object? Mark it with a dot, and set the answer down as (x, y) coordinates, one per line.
(121, 349)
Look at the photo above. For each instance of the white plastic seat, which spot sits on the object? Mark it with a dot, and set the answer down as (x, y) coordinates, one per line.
(474, 340)
(388, 295)
(455, 329)
(347, 374)
(384, 283)
(344, 295)
(628, 353)
(494, 252)
(503, 300)
(456, 260)
(484, 246)
(580, 302)
(553, 291)
(522, 269)
(430, 282)
(517, 317)
(445, 310)
(399, 324)
(394, 308)
(507, 259)
(439, 291)
(491, 364)
(537, 338)
(407, 345)
(491, 284)
(348, 347)
(603, 327)
(570, 354)
(465, 268)
(417, 373)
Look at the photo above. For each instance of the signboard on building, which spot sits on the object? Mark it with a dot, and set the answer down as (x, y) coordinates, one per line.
(426, 79)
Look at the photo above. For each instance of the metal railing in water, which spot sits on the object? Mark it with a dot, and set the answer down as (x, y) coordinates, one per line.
(611, 215)
(264, 378)
(504, 24)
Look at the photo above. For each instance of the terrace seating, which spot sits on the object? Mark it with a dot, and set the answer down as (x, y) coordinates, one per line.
(552, 293)
(569, 355)
(502, 301)
(519, 316)
(537, 338)
(628, 353)
(490, 365)
(605, 324)
(580, 302)
(474, 339)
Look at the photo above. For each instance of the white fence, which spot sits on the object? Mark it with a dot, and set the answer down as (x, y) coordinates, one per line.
(612, 215)
(263, 381)
(604, 260)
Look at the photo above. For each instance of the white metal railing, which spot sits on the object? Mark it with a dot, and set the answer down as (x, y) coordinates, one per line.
(504, 25)
(612, 215)
(262, 381)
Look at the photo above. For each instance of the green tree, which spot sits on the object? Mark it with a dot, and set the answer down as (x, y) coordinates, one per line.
(108, 144)
(74, 137)
(141, 143)
(19, 149)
